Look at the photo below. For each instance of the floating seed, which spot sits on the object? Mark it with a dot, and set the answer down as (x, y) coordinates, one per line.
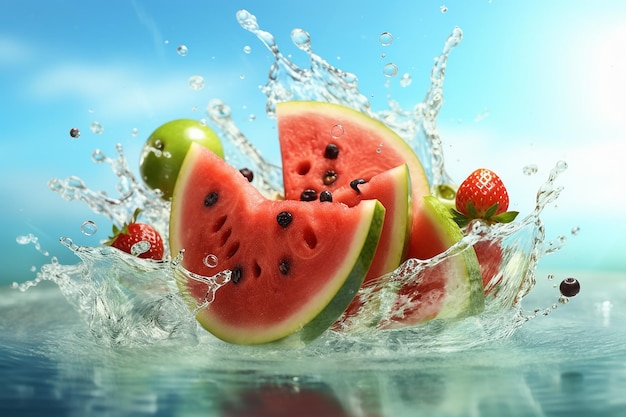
(246, 172)
(284, 267)
(331, 151)
(569, 287)
(329, 177)
(326, 196)
(210, 199)
(284, 218)
(308, 195)
(236, 274)
(354, 184)
(74, 133)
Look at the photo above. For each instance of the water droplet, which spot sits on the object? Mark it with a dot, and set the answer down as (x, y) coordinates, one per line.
(241, 76)
(167, 42)
(575, 230)
(90, 110)
(301, 39)
(89, 228)
(383, 55)
(24, 240)
(218, 109)
(139, 248)
(194, 108)
(98, 156)
(385, 39)
(550, 276)
(134, 132)
(336, 131)
(210, 260)
(96, 127)
(75, 133)
(252, 117)
(390, 70)
(182, 50)
(561, 166)
(196, 82)
(247, 49)
(530, 169)
(406, 80)
(443, 8)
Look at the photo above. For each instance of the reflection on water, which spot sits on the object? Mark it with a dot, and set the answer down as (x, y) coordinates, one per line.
(570, 363)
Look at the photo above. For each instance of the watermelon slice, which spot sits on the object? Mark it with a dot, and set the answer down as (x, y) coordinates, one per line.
(452, 288)
(393, 189)
(295, 266)
(326, 146)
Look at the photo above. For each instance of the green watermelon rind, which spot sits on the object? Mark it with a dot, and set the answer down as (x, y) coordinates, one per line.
(464, 290)
(344, 296)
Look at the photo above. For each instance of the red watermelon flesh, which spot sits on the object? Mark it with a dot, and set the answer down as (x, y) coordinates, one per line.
(295, 266)
(393, 189)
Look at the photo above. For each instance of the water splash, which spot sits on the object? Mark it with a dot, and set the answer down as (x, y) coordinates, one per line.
(127, 300)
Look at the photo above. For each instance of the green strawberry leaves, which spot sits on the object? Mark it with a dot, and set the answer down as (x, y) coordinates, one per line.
(490, 215)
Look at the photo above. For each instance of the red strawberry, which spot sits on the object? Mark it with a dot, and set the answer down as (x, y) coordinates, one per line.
(483, 196)
(133, 233)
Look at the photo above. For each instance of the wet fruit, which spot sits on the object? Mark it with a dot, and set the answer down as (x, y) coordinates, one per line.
(295, 265)
(138, 239)
(327, 146)
(165, 150)
(482, 195)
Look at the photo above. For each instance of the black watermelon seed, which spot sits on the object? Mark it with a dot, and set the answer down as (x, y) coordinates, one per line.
(284, 267)
(246, 172)
(355, 184)
(329, 177)
(326, 196)
(284, 218)
(210, 199)
(236, 274)
(308, 195)
(331, 151)
(569, 287)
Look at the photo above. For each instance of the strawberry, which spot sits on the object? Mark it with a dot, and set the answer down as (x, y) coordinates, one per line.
(482, 196)
(133, 233)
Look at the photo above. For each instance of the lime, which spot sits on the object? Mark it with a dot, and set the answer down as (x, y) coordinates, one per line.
(166, 148)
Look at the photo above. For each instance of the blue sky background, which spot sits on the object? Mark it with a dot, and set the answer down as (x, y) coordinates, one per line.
(532, 82)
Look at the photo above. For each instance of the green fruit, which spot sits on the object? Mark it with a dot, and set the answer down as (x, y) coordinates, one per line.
(166, 148)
